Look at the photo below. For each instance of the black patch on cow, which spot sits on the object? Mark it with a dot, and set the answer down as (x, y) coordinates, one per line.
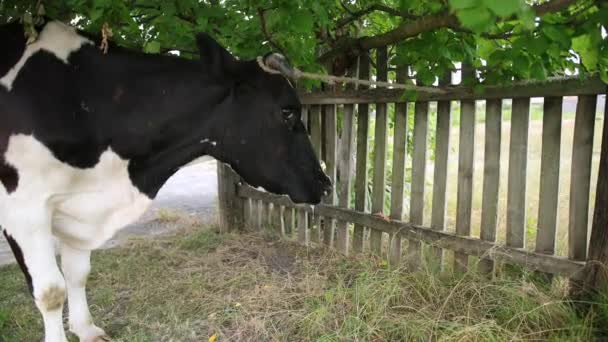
(19, 257)
(157, 111)
(9, 177)
(13, 45)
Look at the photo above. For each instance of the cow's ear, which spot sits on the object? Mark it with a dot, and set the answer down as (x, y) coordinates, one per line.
(215, 59)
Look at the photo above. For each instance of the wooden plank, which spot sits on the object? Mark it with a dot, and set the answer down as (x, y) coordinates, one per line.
(362, 144)
(346, 148)
(248, 214)
(279, 222)
(461, 244)
(398, 171)
(288, 219)
(466, 160)
(555, 88)
(440, 174)
(491, 178)
(231, 208)
(380, 140)
(582, 152)
(518, 171)
(421, 125)
(596, 271)
(331, 152)
(258, 214)
(265, 212)
(314, 122)
(303, 237)
(549, 175)
(314, 118)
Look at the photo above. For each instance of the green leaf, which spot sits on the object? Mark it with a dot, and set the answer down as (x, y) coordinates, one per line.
(303, 22)
(604, 73)
(538, 71)
(587, 47)
(476, 19)
(409, 95)
(504, 8)
(152, 47)
(556, 33)
(463, 4)
(485, 48)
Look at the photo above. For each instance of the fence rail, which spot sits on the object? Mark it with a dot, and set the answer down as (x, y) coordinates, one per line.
(359, 216)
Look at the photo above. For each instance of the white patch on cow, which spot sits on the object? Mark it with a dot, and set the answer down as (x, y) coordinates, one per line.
(86, 206)
(76, 265)
(207, 141)
(57, 38)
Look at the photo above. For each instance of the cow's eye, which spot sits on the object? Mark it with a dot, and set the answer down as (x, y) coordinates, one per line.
(288, 113)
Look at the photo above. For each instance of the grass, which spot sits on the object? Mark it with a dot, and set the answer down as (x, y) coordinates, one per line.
(250, 287)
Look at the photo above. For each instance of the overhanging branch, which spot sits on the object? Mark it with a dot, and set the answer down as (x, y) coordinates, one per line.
(423, 24)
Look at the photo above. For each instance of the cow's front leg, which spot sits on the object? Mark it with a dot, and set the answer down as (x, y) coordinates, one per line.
(33, 246)
(76, 265)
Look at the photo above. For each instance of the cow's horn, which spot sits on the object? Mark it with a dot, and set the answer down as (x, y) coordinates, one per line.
(278, 62)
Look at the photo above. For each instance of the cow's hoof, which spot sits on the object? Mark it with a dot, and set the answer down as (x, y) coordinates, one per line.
(92, 333)
(104, 338)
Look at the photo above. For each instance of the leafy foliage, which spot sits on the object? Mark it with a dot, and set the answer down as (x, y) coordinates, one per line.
(504, 40)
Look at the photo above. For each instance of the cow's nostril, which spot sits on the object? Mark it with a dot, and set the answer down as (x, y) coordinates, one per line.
(327, 189)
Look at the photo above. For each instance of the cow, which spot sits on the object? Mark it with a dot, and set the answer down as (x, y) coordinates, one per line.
(88, 138)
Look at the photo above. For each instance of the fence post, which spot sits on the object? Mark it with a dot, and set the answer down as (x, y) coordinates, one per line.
(231, 207)
(597, 261)
(362, 152)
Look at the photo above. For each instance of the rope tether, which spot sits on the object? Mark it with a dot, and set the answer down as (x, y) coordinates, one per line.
(336, 79)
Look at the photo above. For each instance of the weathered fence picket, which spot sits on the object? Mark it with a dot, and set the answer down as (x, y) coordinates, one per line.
(421, 126)
(582, 151)
(345, 168)
(518, 171)
(466, 159)
(362, 153)
(380, 140)
(549, 175)
(398, 171)
(331, 150)
(440, 174)
(491, 179)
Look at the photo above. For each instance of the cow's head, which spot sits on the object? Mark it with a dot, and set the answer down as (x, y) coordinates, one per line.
(258, 129)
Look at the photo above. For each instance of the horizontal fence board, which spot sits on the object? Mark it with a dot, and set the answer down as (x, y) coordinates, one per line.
(467, 245)
(559, 87)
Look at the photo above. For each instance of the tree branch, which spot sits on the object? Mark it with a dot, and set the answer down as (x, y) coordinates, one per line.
(423, 24)
(267, 35)
(373, 8)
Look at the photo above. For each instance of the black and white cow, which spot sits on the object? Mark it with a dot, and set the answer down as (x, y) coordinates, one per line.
(87, 139)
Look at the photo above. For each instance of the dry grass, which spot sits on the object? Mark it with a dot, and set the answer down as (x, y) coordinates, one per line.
(251, 287)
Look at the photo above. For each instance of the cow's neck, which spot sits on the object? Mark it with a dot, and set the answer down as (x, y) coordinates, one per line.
(175, 125)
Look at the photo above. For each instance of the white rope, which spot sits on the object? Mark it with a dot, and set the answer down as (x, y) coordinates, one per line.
(338, 79)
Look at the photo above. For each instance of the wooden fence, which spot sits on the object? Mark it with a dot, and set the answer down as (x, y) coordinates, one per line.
(351, 227)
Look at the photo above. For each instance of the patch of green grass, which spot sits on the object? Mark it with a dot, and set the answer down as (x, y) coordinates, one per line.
(204, 241)
(250, 287)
